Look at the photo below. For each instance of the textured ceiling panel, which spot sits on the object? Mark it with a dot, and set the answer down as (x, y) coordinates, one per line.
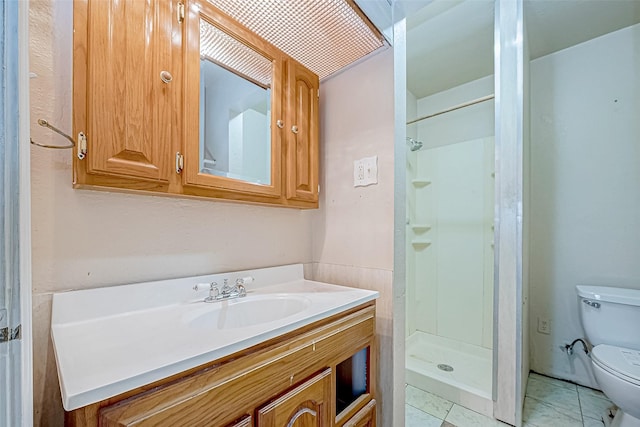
(323, 35)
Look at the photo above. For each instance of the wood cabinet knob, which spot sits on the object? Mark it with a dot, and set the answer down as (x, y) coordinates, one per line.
(294, 129)
(280, 123)
(166, 76)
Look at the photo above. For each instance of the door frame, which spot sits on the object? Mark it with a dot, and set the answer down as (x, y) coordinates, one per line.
(19, 366)
(24, 153)
(508, 358)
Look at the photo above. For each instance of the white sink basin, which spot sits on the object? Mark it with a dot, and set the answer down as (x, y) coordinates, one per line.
(247, 311)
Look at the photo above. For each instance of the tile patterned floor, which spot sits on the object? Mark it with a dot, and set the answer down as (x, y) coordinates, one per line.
(548, 403)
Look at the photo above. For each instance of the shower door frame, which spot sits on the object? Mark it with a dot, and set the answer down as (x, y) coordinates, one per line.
(509, 213)
(399, 285)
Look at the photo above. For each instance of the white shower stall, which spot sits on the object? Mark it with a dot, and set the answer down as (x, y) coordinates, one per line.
(450, 197)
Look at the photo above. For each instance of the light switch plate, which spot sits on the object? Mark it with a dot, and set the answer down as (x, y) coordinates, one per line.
(365, 171)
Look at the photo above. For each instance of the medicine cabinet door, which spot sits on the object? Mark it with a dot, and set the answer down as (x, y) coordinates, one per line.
(129, 88)
(302, 139)
(233, 106)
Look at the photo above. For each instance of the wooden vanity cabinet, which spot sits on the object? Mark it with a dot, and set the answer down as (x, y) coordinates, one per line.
(135, 97)
(287, 381)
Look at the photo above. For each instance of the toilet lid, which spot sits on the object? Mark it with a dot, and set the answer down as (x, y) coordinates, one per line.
(620, 361)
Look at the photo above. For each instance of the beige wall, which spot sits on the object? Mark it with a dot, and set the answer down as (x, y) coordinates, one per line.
(84, 239)
(585, 204)
(352, 234)
(354, 226)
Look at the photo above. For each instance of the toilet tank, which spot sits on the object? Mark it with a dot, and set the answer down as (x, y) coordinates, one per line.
(610, 315)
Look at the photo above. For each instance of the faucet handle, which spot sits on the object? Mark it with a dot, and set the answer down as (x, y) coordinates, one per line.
(242, 292)
(201, 286)
(205, 286)
(214, 293)
(245, 280)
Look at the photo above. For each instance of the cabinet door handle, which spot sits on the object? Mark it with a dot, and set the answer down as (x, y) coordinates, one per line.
(300, 413)
(294, 129)
(280, 124)
(166, 76)
(179, 162)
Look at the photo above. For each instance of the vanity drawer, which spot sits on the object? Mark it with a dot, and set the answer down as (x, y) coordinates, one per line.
(231, 391)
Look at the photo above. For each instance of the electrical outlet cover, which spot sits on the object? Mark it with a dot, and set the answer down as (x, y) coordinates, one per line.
(358, 173)
(365, 171)
(544, 325)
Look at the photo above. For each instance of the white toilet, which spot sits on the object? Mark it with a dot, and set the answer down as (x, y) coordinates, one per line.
(611, 321)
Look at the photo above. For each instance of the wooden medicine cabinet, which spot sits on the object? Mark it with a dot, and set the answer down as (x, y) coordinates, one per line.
(177, 98)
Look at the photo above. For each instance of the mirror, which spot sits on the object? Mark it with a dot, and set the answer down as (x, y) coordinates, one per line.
(235, 108)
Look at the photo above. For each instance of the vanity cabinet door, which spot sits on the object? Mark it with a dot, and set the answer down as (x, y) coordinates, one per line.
(366, 417)
(129, 88)
(246, 421)
(302, 133)
(307, 405)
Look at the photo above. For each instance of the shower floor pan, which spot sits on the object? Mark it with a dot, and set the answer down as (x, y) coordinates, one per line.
(467, 384)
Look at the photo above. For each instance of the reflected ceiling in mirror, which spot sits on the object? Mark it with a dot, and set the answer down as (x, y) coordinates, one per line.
(235, 108)
(222, 49)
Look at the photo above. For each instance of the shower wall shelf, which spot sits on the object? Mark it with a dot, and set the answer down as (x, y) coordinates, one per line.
(419, 183)
(420, 228)
(420, 244)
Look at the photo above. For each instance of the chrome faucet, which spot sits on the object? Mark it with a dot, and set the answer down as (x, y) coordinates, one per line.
(236, 291)
(226, 292)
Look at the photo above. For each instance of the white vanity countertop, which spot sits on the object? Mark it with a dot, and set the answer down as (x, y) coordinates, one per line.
(110, 340)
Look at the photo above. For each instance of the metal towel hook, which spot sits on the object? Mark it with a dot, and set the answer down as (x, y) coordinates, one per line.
(46, 124)
(82, 151)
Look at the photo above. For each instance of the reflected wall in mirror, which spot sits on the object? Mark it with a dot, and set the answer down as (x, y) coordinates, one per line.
(235, 108)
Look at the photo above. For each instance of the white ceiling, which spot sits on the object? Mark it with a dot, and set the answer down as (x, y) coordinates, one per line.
(450, 42)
